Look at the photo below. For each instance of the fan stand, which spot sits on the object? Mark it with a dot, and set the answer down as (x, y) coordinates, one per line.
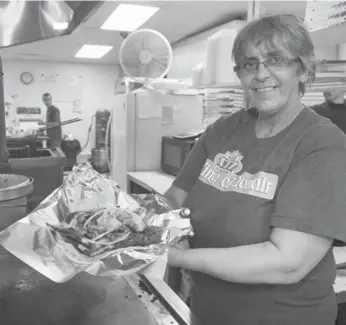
(4, 164)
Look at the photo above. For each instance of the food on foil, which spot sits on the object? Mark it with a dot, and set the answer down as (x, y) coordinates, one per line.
(152, 203)
(89, 224)
(85, 189)
(94, 233)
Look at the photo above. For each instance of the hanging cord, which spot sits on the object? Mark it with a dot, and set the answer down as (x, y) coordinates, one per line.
(108, 146)
(89, 131)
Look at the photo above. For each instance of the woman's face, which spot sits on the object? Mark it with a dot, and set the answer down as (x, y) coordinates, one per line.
(271, 89)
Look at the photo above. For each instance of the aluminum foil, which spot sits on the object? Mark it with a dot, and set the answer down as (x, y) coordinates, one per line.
(32, 241)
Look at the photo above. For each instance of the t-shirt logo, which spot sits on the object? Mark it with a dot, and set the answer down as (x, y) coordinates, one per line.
(222, 173)
(230, 161)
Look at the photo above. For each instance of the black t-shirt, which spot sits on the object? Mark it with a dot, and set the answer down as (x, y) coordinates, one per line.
(335, 112)
(55, 134)
(240, 187)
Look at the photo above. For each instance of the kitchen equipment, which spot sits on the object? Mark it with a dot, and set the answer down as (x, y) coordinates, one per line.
(57, 124)
(29, 21)
(71, 148)
(139, 121)
(30, 141)
(145, 54)
(101, 116)
(174, 153)
(85, 299)
(46, 167)
(14, 190)
(99, 153)
(99, 160)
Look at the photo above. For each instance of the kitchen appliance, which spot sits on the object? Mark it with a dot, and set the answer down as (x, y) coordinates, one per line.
(174, 153)
(71, 148)
(145, 55)
(29, 21)
(101, 116)
(139, 121)
(99, 160)
(14, 190)
(99, 153)
(27, 144)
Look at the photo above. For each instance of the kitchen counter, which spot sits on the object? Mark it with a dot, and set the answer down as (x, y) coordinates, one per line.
(156, 181)
(28, 298)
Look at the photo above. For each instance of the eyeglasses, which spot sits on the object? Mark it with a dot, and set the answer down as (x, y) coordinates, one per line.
(275, 62)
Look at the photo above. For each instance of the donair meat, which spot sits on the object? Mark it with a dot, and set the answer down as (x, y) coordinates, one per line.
(93, 233)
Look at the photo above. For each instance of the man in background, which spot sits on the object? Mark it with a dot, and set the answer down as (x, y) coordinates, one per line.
(334, 107)
(52, 117)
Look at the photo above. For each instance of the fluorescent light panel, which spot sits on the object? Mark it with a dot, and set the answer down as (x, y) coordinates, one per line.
(93, 51)
(128, 17)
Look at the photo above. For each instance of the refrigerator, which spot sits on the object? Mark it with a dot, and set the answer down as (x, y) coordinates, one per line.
(139, 120)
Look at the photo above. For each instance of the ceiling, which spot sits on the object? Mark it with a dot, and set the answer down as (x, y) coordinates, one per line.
(176, 20)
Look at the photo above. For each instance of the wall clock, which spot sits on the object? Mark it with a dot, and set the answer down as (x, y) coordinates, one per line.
(26, 78)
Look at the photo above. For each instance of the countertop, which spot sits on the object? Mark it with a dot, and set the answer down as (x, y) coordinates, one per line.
(28, 298)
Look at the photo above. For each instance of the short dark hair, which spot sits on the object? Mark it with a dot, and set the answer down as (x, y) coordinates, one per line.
(45, 95)
(279, 30)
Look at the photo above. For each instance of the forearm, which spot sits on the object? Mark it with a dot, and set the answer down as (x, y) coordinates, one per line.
(175, 197)
(171, 202)
(253, 264)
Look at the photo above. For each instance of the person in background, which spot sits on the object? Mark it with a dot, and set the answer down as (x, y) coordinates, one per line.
(266, 188)
(334, 107)
(52, 117)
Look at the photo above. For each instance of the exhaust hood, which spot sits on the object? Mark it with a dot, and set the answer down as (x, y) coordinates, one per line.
(29, 21)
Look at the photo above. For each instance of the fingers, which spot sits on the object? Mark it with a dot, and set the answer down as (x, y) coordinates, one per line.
(185, 213)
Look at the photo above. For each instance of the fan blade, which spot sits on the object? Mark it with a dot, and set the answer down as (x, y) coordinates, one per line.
(159, 62)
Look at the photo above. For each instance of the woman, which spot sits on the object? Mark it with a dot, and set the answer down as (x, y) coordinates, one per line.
(267, 192)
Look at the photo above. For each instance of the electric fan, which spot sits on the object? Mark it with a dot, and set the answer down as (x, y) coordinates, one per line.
(145, 56)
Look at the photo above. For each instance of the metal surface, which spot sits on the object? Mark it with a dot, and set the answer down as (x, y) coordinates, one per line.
(57, 124)
(174, 306)
(151, 301)
(102, 117)
(99, 160)
(15, 186)
(30, 21)
(28, 298)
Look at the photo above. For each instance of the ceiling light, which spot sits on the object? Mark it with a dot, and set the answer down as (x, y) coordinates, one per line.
(128, 17)
(60, 26)
(93, 51)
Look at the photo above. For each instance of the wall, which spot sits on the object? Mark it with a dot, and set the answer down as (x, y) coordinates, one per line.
(188, 53)
(95, 90)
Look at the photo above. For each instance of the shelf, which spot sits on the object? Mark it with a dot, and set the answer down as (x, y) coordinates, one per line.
(321, 88)
(219, 86)
(156, 181)
(328, 37)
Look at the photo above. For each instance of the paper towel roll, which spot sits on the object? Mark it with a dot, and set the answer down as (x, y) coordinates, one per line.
(198, 74)
(218, 68)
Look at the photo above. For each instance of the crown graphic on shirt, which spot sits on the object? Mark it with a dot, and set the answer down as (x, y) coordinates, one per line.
(234, 156)
(230, 161)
